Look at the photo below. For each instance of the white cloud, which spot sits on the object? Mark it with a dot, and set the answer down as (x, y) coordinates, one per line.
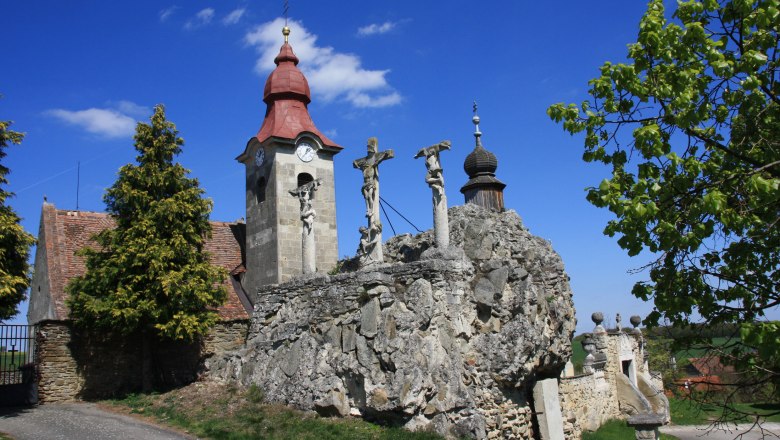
(132, 109)
(202, 18)
(375, 28)
(363, 100)
(167, 12)
(109, 122)
(332, 75)
(233, 17)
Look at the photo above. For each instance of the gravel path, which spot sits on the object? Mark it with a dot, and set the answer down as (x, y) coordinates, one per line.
(82, 421)
(771, 431)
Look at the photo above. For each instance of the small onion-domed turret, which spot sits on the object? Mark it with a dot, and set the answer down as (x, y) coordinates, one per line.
(483, 188)
(480, 162)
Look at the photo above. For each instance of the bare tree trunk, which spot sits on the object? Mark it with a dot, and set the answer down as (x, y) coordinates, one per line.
(146, 363)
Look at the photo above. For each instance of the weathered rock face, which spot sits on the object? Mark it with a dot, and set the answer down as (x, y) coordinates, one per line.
(447, 339)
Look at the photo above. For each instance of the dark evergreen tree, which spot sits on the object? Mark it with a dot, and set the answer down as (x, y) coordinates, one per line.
(150, 273)
(15, 242)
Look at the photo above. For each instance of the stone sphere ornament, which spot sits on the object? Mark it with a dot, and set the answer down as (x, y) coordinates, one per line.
(635, 321)
(597, 318)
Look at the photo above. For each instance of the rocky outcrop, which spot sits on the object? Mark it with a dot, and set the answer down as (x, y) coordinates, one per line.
(450, 340)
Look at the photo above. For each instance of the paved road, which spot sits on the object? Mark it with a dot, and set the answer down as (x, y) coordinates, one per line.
(771, 431)
(82, 421)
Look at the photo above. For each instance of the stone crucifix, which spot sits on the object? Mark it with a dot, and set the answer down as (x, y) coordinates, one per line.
(305, 194)
(371, 235)
(435, 179)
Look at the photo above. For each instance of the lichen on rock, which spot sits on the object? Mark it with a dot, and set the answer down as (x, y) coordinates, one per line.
(444, 339)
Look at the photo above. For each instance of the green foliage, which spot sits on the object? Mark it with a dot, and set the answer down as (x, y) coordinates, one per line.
(690, 128)
(150, 272)
(577, 353)
(693, 331)
(15, 242)
(617, 430)
(690, 412)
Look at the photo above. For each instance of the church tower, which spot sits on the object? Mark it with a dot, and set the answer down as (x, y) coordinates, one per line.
(287, 152)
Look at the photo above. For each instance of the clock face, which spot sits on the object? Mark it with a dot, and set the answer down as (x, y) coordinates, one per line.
(305, 152)
(259, 157)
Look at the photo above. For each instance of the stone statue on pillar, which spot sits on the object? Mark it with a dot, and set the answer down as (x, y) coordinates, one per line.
(305, 193)
(435, 179)
(371, 235)
(370, 239)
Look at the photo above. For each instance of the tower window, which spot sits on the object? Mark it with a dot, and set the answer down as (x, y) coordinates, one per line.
(304, 178)
(261, 184)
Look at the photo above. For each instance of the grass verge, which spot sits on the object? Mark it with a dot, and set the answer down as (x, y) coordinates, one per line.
(688, 412)
(617, 430)
(215, 411)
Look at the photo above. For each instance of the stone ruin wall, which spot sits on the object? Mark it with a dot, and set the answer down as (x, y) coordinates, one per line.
(450, 340)
(589, 400)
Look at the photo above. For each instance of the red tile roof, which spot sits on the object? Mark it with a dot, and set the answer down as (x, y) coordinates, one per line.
(287, 95)
(710, 366)
(66, 232)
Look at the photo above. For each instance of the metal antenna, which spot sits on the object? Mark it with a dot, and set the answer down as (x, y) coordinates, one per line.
(78, 182)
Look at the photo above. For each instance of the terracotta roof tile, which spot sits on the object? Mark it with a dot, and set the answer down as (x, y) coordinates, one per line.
(287, 94)
(68, 231)
(710, 366)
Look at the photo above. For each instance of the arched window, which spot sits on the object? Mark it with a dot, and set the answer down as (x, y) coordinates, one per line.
(261, 184)
(304, 178)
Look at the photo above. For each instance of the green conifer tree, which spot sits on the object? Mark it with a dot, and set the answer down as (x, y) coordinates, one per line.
(15, 242)
(150, 274)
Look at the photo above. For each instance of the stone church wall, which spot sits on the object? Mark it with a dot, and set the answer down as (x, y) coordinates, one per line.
(73, 365)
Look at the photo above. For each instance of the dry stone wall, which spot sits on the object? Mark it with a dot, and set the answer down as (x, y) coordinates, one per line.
(74, 365)
(587, 402)
(450, 340)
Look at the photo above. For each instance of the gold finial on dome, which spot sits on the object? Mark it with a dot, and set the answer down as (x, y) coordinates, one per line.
(286, 33)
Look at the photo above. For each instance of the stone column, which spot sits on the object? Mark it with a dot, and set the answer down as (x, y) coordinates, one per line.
(370, 249)
(435, 179)
(305, 193)
(548, 409)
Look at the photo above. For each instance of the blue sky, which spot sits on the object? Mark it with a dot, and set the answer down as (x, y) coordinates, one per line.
(77, 75)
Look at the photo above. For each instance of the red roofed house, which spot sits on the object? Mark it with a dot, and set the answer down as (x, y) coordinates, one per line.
(705, 374)
(73, 364)
(63, 233)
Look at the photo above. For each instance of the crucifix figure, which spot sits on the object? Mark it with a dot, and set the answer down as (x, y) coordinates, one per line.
(305, 193)
(435, 179)
(372, 234)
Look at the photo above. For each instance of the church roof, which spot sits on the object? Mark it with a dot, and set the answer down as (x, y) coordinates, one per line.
(287, 96)
(63, 232)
